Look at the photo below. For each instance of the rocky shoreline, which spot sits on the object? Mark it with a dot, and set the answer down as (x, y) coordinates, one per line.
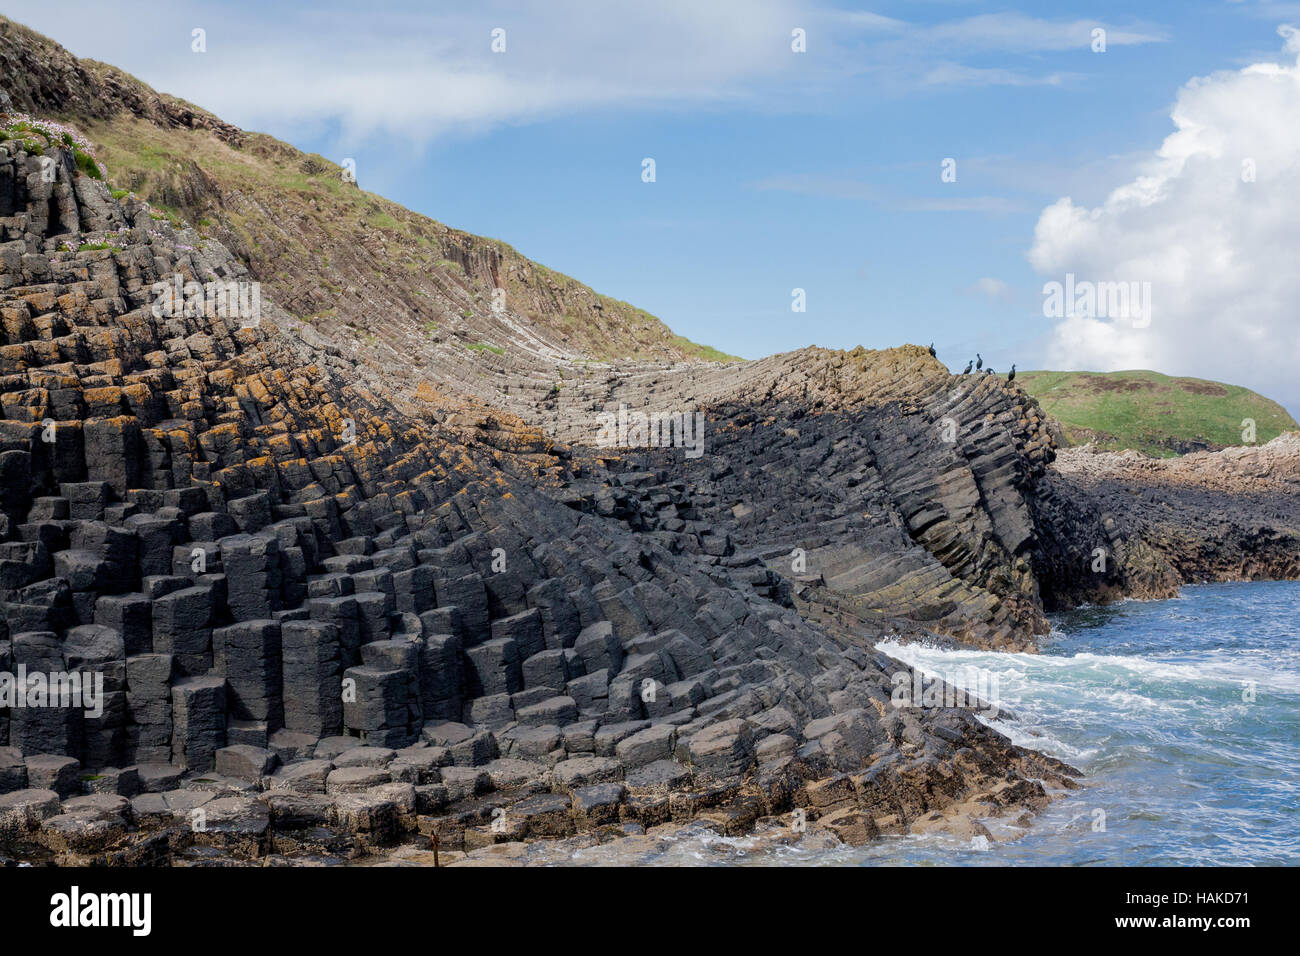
(1164, 522)
(373, 805)
(332, 622)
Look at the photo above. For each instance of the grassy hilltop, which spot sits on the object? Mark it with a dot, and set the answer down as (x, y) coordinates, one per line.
(1154, 413)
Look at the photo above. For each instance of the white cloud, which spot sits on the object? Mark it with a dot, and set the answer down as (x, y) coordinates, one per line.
(851, 188)
(1017, 33)
(957, 74)
(415, 71)
(993, 288)
(438, 74)
(932, 55)
(864, 20)
(1220, 253)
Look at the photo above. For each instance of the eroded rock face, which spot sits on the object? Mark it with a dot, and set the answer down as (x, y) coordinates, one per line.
(49, 80)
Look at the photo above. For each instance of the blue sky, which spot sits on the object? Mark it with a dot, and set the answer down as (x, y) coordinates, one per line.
(818, 170)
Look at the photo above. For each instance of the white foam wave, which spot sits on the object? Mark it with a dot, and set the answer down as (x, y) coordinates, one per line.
(1211, 672)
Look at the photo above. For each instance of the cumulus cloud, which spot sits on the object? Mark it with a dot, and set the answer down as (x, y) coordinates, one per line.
(1212, 221)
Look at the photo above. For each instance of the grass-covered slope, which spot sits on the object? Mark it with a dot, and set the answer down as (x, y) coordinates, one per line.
(1153, 413)
(318, 239)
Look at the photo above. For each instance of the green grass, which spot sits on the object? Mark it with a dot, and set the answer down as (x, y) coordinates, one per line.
(484, 347)
(29, 146)
(20, 133)
(706, 352)
(1157, 414)
(86, 164)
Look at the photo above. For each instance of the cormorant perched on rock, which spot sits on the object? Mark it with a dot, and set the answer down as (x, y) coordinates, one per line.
(979, 362)
(966, 371)
(1011, 376)
(932, 352)
(989, 371)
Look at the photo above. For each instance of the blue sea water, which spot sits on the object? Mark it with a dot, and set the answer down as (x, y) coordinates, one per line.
(1153, 701)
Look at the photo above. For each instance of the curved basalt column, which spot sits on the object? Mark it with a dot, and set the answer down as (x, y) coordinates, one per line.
(902, 487)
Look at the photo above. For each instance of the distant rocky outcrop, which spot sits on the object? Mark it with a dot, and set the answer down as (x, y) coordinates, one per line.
(1126, 525)
(886, 493)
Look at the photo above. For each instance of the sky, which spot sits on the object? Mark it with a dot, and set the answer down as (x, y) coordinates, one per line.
(922, 170)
